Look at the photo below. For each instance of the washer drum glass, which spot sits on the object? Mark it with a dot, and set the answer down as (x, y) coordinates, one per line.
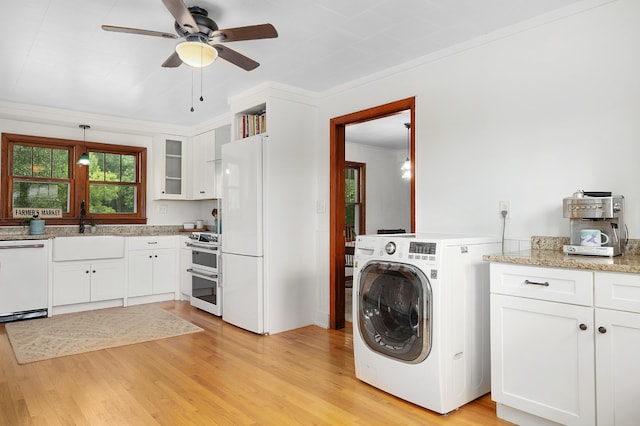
(394, 315)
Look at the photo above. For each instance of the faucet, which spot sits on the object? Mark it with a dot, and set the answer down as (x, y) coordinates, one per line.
(83, 213)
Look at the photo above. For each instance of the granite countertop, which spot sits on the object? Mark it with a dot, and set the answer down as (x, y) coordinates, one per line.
(547, 251)
(22, 232)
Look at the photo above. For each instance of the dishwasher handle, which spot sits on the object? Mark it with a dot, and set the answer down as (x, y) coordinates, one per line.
(22, 246)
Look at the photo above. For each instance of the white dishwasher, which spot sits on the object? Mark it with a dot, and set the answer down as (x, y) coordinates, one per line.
(23, 279)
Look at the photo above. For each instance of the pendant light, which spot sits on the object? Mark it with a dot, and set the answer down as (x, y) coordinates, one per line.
(84, 158)
(406, 166)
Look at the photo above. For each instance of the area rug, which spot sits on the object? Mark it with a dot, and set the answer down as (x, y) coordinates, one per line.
(68, 334)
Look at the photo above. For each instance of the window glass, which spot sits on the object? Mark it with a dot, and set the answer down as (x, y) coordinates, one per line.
(40, 162)
(107, 172)
(354, 199)
(28, 194)
(60, 167)
(40, 165)
(22, 165)
(112, 198)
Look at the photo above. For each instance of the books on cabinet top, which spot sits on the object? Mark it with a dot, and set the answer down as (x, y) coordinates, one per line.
(251, 124)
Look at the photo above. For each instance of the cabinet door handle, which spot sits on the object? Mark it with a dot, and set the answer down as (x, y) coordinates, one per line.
(602, 330)
(583, 327)
(544, 284)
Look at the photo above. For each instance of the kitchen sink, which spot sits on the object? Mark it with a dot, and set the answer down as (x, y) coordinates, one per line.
(88, 247)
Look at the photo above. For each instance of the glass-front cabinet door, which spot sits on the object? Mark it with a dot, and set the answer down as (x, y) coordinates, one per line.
(170, 157)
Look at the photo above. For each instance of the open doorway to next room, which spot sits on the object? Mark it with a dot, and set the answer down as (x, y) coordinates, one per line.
(355, 215)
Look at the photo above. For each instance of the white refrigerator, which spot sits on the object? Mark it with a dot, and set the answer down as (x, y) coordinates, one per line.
(242, 255)
(267, 278)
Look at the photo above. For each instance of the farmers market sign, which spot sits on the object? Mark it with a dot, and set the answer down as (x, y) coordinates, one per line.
(41, 213)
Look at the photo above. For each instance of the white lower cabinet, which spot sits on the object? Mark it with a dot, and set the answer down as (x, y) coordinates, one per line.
(560, 356)
(81, 281)
(152, 266)
(617, 335)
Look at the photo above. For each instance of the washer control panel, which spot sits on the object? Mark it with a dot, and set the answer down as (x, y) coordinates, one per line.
(422, 248)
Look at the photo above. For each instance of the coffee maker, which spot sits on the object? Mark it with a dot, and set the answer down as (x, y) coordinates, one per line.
(597, 225)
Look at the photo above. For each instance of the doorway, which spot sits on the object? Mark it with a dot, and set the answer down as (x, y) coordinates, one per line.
(337, 196)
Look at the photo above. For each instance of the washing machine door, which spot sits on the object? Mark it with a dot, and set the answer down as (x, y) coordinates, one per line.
(394, 310)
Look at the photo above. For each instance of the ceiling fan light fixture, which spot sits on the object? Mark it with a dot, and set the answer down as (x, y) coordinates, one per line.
(196, 53)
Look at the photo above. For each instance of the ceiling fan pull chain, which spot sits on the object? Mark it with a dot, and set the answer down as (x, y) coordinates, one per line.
(192, 90)
(201, 98)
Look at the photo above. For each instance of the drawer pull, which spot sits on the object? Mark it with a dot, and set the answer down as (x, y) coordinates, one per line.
(602, 329)
(544, 284)
(583, 327)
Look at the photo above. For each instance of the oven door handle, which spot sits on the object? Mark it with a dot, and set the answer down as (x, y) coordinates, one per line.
(203, 274)
(202, 246)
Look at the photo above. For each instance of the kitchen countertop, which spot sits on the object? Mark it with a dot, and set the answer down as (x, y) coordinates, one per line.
(22, 232)
(547, 251)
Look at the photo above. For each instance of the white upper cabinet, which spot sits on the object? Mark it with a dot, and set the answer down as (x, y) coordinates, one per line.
(170, 155)
(203, 185)
(206, 164)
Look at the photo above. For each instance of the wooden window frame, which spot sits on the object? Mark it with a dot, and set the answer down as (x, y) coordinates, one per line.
(78, 175)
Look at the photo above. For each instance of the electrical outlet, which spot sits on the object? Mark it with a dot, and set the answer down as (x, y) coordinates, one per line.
(504, 206)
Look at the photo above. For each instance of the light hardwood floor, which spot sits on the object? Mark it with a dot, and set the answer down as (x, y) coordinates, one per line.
(223, 375)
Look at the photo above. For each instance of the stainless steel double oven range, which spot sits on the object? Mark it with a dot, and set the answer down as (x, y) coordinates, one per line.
(206, 292)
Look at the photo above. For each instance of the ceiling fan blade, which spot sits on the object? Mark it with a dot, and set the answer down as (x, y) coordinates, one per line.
(172, 61)
(182, 15)
(138, 31)
(236, 58)
(251, 32)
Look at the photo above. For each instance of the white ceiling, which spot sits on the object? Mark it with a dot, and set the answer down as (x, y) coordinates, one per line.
(54, 53)
(387, 132)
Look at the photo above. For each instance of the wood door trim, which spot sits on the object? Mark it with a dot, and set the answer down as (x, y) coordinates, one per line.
(336, 196)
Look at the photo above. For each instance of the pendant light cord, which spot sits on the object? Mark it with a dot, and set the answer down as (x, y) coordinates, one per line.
(201, 80)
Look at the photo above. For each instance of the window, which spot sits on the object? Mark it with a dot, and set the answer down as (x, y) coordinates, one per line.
(42, 173)
(112, 183)
(354, 190)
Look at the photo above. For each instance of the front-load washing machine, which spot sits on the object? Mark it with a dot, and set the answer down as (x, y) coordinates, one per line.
(421, 317)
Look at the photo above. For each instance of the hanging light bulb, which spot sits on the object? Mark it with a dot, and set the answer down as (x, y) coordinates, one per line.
(406, 166)
(84, 158)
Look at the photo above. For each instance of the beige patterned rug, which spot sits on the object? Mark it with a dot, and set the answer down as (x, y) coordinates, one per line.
(68, 334)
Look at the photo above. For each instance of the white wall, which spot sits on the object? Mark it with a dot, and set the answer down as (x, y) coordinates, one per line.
(528, 115)
(388, 202)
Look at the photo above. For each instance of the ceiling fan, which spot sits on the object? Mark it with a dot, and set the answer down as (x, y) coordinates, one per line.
(202, 37)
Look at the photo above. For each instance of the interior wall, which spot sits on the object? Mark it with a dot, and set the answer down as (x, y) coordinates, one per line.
(388, 201)
(527, 115)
